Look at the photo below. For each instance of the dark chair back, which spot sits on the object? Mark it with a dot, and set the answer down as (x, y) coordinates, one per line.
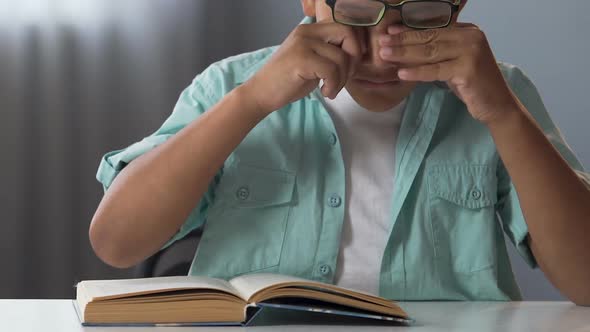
(172, 261)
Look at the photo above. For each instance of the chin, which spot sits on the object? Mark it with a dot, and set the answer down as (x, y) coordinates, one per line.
(380, 101)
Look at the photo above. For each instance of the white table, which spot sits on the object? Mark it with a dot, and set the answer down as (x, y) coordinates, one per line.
(59, 315)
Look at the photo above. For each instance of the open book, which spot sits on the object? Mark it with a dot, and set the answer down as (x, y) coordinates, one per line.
(192, 300)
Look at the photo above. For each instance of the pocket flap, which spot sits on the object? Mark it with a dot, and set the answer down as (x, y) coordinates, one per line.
(471, 186)
(250, 186)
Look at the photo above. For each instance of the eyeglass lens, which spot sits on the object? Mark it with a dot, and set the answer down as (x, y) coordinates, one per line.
(419, 14)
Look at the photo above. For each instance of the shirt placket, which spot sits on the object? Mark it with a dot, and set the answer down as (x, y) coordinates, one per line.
(420, 119)
(333, 202)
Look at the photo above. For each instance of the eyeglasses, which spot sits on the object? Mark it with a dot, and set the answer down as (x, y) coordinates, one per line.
(417, 14)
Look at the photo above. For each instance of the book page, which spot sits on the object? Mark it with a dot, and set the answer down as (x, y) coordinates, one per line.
(266, 286)
(105, 289)
(252, 284)
(249, 284)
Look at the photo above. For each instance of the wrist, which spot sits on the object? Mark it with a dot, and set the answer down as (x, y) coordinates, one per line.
(501, 111)
(248, 103)
(508, 121)
(239, 110)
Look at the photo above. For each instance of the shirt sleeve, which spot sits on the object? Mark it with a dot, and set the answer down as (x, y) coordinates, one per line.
(193, 102)
(508, 206)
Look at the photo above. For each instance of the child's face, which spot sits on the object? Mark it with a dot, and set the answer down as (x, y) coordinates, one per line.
(373, 97)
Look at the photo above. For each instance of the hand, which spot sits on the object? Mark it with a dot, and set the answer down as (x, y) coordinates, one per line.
(460, 56)
(312, 52)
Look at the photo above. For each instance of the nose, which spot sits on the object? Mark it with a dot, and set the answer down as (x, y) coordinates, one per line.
(372, 35)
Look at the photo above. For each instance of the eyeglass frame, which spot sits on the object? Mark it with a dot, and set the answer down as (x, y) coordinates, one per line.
(455, 5)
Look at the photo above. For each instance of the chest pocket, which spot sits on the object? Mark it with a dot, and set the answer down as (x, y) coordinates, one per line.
(462, 202)
(246, 226)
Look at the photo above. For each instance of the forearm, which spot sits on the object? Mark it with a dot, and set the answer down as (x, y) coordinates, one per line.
(152, 197)
(554, 200)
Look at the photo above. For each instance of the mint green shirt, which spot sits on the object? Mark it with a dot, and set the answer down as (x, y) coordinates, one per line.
(277, 204)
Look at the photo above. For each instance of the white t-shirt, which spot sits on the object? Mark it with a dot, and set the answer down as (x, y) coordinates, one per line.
(368, 141)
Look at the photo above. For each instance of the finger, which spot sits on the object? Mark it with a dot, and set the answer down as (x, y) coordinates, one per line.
(361, 37)
(339, 35)
(321, 68)
(464, 25)
(394, 29)
(417, 37)
(441, 71)
(421, 54)
(345, 62)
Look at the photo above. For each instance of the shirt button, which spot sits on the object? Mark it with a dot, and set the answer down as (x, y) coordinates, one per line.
(335, 201)
(325, 269)
(475, 194)
(243, 193)
(333, 139)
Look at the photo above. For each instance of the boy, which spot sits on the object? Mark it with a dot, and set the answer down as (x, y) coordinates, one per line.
(384, 180)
